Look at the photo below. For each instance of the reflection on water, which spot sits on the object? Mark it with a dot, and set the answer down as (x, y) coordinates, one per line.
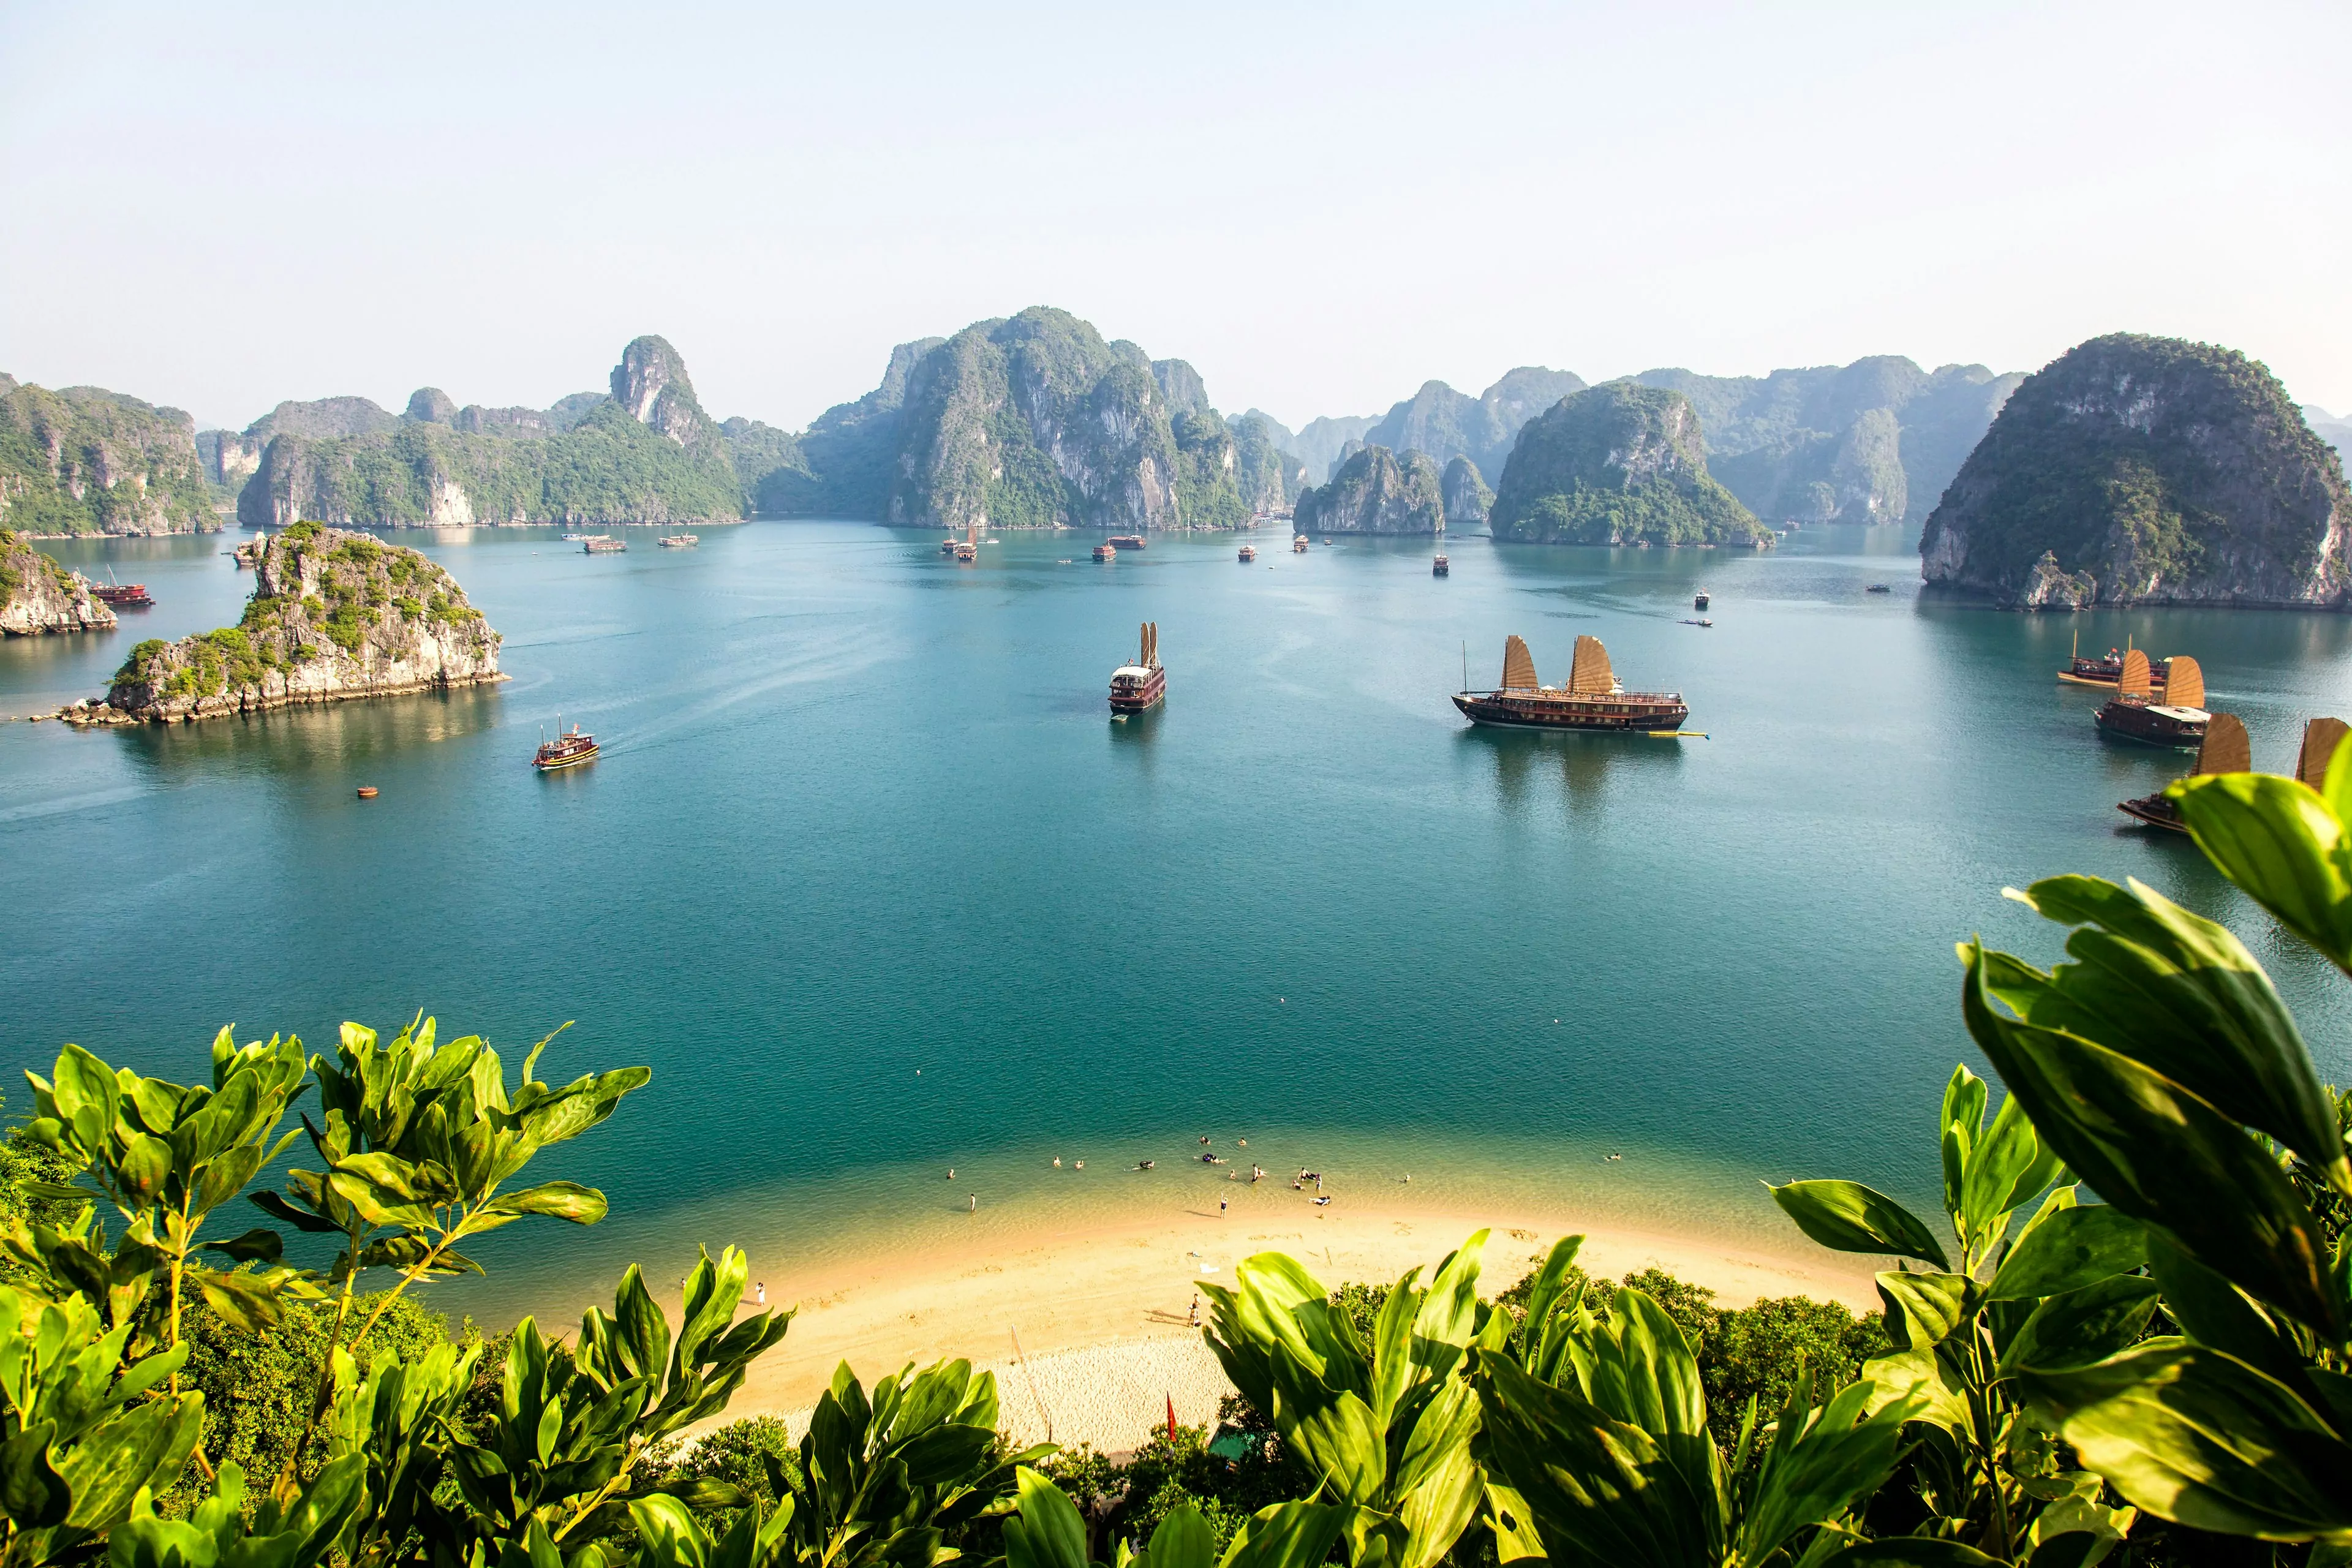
(332, 737)
(1534, 767)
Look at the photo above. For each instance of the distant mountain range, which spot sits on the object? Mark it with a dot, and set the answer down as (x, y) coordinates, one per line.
(1874, 441)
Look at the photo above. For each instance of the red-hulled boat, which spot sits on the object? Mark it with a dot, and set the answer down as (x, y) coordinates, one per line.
(2170, 715)
(1138, 687)
(1593, 698)
(568, 750)
(124, 596)
(1127, 540)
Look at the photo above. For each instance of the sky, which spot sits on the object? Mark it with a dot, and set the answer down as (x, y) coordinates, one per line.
(1320, 205)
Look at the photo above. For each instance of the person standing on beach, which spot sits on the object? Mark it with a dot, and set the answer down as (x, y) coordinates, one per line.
(1195, 1316)
(761, 1299)
(1221, 1207)
(975, 1205)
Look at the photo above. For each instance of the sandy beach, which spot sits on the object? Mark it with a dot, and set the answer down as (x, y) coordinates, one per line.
(1086, 1328)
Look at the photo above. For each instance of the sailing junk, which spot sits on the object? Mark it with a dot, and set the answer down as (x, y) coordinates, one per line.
(2107, 672)
(1137, 687)
(1592, 700)
(2320, 739)
(2224, 750)
(2171, 715)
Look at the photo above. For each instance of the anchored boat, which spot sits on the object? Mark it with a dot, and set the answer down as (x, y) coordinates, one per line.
(1138, 687)
(1593, 698)
(125, 595)
(2224, 750)
(604, 544)
(1106, 551)
(2170, 715)
(1248, 553)
(1298, 546)
(566, 750)
(680, 540)
(1127, 540)
(2107, 672)
(1441, 567)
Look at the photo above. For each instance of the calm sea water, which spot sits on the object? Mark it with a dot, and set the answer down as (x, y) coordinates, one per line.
(870, 879)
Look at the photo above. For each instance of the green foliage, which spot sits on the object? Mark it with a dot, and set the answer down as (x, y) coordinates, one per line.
(134, 465)
(1617, 464)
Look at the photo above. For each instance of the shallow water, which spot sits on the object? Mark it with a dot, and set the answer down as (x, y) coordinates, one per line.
(870, 879)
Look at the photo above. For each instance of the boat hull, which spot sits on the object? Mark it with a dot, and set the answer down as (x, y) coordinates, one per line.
(2151, 726)
(2155, 811)
(1142, 698)
(557, 764)
(1620, 713)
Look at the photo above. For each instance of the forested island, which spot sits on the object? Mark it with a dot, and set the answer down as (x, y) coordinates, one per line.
(85, 461)
(2146, 471)
(40, 594)
(333, 615)
(1376, 492)
(1621, 463)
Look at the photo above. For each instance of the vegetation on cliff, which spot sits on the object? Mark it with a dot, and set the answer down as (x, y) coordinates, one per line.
(1617, 464)
(39, 595)
(84, 460)
(2153, 470)
(1468, 498)
(1444, 424)
(333, 614)
(1376, 492)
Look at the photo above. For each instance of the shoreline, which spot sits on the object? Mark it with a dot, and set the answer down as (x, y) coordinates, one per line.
(1065, 1314)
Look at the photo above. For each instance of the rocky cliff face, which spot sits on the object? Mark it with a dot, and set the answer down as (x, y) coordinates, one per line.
(1873, 442)
(1268, 477)
(2146, 471)
(38, 594)
(333, 615)
(647, 454)
(1467, 498)
(1445, 423)
(228, 458)
(1377, 491)
(1038, 422)
(1321, 444)
(1618, 464)
(85, 461)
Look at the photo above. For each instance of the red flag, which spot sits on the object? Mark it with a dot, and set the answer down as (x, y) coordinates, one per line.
(1171, 1418)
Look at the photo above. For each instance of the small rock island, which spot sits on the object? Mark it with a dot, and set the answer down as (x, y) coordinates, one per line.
(38, 594)
(333, 615)
(2141, 470)
(1376, 492)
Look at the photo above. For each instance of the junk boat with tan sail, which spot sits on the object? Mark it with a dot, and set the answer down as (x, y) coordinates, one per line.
(2224, 750)
(568, 750)
(1138, 687)
(1593, 698)
(2107, 672)
(2173, 714)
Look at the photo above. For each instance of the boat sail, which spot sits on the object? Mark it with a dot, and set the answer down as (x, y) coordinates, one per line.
(1138, 687)
(1594, 698)
(2224, 750)
(2171, 715)
(2320, 739)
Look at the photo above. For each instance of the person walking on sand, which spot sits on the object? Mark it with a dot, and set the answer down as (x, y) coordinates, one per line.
(1194, 1319)
(974, 1208)
(762, 1297)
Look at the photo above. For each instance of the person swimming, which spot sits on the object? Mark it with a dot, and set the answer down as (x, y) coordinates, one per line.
(1144, 1164)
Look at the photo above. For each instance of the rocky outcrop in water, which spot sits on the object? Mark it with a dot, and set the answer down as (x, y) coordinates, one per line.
(2146, 471)
(85, 461)
(1617, 464)
(1445, 423)
(1467, 498)
(1377, 491)
(38, 594)
(333, 615)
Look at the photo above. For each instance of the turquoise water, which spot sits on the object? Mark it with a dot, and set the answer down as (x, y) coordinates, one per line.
(869, 878)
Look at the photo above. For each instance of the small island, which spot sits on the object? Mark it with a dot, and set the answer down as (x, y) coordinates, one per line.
(1618, 464)
(334, 616)
(38, 594)
(2140, 470)
(1376, 492)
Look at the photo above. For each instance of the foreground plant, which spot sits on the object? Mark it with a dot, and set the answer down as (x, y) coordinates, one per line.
(2162, 1065)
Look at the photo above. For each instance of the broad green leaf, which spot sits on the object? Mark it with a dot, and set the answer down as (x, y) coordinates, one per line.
(1912, 1552)
(2194, 1435)
(2075, 1328)
(1819, 1465)
(2179, 993)
(2001, 1159)
(2068, 1248)
(32, 1493)
(2164, 1156)
(1915, 1378)
(563, 1200)
(2280, 841)
(1850, 1218)
(1442, 1503)
(256, 1246)
(1288, 1535)
(243, 1302)
(1052, 1534)
(1923, 1309)
(2216, 1314)
(1182, 1541)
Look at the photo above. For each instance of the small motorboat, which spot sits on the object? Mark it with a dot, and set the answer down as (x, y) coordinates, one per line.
(1248, 553)
(1441, 567)
(367, 792)
(1106, 551)
(680, 540)
(1701, 622)
(1878, 588)
(568, 750)
(1698, 600)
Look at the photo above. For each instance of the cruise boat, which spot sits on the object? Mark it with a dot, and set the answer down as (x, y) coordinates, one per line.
(125, 595)
(1127, 540)
(1298, 546)
(1138, 687)
(1593, 698)
(2107, 672)
(1248, 553)
(680, 540)
(568, 750)
(1699, 600)
(603, 544)
(2224, 750)
(1440, 566)
(2173, 714)
(1106, 551)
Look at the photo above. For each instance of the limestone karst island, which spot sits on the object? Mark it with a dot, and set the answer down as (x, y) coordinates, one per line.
(901, 786)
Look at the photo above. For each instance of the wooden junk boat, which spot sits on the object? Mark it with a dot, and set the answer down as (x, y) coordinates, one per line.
(125, 595)
(603, 544)
(1248, 553)
(568, 750)
(1298, 546)
(1593, 698)
(1138, 687)
(2107, 672)
(2224, 750)
(1106, 551)
(2173, 714)
(1127, 540)
(680, 540)
(1439, 566)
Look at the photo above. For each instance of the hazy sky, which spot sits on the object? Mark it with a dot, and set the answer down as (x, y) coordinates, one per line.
(1320, 207)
